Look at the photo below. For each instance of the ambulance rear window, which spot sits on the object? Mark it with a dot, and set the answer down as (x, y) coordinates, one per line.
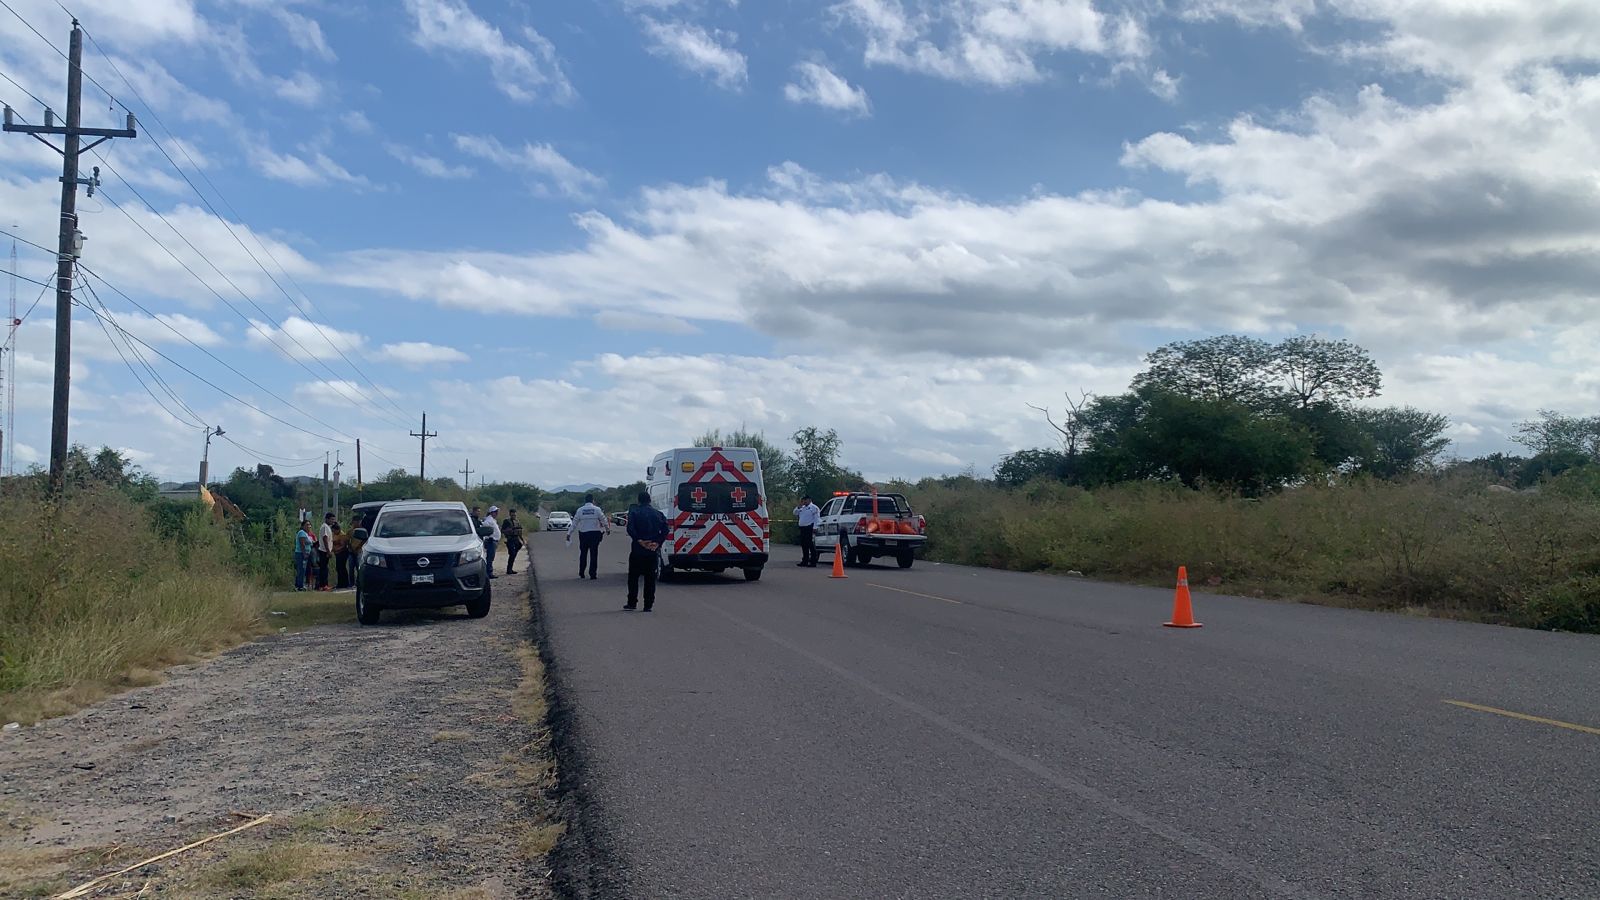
(719, 497)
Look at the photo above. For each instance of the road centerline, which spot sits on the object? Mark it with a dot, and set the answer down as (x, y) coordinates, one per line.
(885, 587)
(1523, 716)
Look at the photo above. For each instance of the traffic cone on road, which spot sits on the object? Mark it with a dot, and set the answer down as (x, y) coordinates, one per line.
(1182, 610)
(838, 561)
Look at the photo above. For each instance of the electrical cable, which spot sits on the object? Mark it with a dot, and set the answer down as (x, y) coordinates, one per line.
(268, 456)
(229, 366)
(136, 376)
(24, 90)
(255, 326)
(156, 376)
(225, 392)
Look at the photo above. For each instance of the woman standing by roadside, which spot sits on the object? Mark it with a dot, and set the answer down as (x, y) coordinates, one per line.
(341, 556)
(304, 543)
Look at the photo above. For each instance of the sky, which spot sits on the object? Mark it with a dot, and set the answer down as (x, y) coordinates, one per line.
(575, 234)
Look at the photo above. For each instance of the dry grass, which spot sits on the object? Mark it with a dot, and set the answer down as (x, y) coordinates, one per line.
(93, 600)
(441, 736)
(534, 842)
(1446, 546)
(275, 864)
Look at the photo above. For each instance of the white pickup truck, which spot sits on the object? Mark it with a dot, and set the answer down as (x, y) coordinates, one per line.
(869, 525)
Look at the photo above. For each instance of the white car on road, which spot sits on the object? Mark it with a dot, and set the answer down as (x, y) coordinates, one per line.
(558, 521)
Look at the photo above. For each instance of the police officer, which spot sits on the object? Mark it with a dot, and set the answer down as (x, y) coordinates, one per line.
(808, 516)
(592, 526)
(647, 528)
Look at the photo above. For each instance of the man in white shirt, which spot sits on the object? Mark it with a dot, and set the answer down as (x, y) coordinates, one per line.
(493, 540)
(592, 526)
(809, 516)
(325, 552)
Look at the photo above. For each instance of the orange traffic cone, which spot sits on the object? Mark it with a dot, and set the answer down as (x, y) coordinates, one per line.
(1182, 611)
(838, 561)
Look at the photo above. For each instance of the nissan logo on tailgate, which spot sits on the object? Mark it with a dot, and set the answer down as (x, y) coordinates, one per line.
(422, 562)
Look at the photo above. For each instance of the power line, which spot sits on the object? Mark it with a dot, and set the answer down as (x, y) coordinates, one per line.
(279, 459)
(24, 90)
(229, 366)
(225, 392)
(214, 292)
(310, 317)
(156, 376)
(136, 376)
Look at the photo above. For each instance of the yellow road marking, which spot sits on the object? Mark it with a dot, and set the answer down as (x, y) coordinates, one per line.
(914, 593)
(1524, 717)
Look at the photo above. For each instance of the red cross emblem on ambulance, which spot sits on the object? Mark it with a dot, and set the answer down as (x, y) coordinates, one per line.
(738, 495)
(698, 495)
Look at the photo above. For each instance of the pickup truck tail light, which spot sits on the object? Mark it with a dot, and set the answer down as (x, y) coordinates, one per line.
(861, 525)
(922, 525)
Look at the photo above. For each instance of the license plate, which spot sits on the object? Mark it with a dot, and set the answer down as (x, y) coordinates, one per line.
(422, 579)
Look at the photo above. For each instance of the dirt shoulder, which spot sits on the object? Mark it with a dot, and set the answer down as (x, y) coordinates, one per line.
(409, 759)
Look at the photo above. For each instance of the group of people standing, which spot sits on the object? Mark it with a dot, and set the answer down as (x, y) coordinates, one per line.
(510, 533)
(322, 563)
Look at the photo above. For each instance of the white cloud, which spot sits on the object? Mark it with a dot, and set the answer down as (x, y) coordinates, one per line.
(817, 84)
(302, 88)
(431, 166)
(305, 32)
(522, 71)
(541, 162)
(421, 354)
(703, 52)
(313, 169)
(1164, 85)
(356, 121)
(304, 340)
(992, 42)
(333, 393)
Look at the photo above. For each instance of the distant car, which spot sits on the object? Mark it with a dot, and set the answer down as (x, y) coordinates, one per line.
(558, 521)
(420, 555)
(619, 519)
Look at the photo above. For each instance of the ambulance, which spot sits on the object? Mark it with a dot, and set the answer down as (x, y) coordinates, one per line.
(716, 507)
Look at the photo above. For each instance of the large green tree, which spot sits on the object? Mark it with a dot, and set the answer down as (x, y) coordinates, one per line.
(815, 469)
(1228, 367)
(1315, 370)
(1402, 440)
(1554, 432)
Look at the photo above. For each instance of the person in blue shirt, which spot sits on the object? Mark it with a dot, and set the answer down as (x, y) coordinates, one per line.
(304, 544)
(647, 528)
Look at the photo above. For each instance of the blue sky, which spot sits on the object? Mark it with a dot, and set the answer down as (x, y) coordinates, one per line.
(577, 233)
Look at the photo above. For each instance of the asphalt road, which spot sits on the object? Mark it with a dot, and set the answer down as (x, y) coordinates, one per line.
(955, 732)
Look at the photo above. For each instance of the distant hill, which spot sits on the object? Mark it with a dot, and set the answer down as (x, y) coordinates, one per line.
(577, 488)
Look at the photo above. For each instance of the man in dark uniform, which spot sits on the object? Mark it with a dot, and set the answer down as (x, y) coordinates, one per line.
(647, 528)
(512, 530)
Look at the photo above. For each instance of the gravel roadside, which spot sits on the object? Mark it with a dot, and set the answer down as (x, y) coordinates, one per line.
(408, 759)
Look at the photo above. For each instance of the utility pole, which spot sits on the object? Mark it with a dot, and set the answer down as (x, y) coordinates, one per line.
(360, 490)
(422, 464)
(7, 370)
(205, 461)
(466, 475)
(337, 464)
(70, 240)
(324, 484)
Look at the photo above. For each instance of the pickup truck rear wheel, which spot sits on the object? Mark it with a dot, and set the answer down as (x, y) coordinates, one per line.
(905, 559)
(479, 608)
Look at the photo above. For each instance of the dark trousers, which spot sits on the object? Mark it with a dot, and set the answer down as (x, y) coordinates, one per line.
(642, 564)
(322, 569)
(488, 553)
(342, 566)
(808, 545)
(511, 555)
(589, 552)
